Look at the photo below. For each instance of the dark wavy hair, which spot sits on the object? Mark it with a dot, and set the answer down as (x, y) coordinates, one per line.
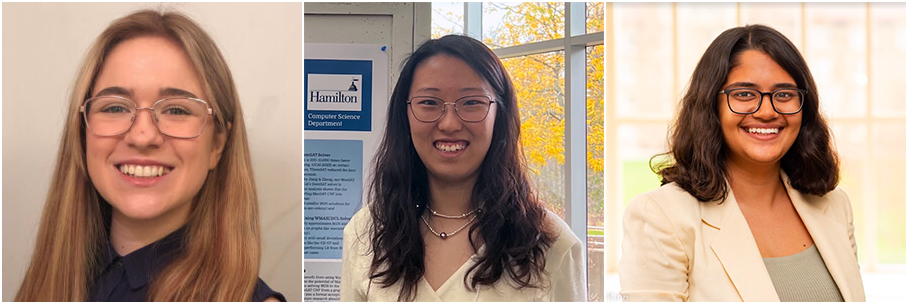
(511, 224)
(697, 148)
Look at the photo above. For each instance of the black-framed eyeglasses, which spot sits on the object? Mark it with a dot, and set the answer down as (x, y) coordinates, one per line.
(181, 117)
(748, 101)
(468, 108)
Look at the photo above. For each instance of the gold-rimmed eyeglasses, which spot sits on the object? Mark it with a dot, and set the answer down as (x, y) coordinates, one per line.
(468, 108)
(180, 117)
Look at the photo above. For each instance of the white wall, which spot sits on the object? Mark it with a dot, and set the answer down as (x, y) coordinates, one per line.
(43, 45)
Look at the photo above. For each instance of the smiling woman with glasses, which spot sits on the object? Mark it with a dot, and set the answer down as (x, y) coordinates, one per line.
(153, 195)
(748, 209)
(451, 215)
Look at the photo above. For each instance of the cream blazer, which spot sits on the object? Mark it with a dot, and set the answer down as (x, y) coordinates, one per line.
(676, 248)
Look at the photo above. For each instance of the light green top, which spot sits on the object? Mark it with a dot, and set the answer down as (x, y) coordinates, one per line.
(803, 277)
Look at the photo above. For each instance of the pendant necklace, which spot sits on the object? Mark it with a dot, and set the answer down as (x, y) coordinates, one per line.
(444, 235)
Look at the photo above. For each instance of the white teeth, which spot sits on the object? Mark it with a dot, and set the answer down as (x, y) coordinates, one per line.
(143, 171)
(763, 131)
(448, 147)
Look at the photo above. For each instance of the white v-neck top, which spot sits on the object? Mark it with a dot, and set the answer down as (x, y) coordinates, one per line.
(566, 273)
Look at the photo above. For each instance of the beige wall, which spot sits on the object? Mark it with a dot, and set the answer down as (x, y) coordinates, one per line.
(42, 47)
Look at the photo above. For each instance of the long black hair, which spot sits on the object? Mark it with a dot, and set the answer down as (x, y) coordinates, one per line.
(512, 222)
(698, 149)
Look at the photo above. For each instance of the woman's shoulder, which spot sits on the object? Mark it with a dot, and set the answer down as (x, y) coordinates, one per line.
(359, 221)
(836, 200)
(358, 227)
(669, 198)
(565, 237)
(263, 292)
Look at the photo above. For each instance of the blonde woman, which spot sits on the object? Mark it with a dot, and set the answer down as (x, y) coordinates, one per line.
(152, 197)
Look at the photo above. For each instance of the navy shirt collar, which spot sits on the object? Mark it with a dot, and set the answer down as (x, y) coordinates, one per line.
(145, 262)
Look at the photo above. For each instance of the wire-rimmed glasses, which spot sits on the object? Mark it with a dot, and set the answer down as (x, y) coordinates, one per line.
(180, 117)
(748, 101)
(468, 108)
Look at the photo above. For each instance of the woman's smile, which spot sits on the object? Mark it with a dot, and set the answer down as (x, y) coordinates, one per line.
(451, 148)
(143, 173)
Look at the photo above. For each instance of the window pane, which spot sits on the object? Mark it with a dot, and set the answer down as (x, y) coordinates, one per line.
(835, 51)
(887, 141)
(513, 23)
(851, 141)
(447, 18)
(784, 17)
(887, 59)
(595, 186)
(643, 60)
(595, 17)
(695, 33)
(540, 90)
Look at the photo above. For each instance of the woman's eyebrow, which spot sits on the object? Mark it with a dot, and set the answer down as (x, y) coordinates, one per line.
(428, 89)
(785, 85)
(472, 90)
(119, 91)
(433, 89)
(742, 84)
(174, 92)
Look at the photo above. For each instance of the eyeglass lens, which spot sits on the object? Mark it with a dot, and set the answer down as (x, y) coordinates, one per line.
(748, 100)
(176, 117)
(469, 109)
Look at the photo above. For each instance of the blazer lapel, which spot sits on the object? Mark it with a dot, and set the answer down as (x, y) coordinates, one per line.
(737, 251)
(831, 239)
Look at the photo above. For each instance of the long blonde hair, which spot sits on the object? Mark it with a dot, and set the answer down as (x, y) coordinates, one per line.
(222, 245)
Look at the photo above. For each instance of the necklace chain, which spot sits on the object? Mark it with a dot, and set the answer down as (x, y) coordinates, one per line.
(462, 216)
(444, 235)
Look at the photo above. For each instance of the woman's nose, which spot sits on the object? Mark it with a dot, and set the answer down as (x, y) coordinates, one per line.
(144, 132)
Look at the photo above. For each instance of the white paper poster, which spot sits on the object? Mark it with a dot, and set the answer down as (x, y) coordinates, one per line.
(346, 87)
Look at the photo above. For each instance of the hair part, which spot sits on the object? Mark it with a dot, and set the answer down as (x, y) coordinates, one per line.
(222, 246)
(698, 153)
(512, 224)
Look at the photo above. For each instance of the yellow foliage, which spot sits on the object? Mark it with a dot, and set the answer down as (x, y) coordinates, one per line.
(539, 80)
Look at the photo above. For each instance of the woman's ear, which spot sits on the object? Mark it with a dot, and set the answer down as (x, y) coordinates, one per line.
(220, 140)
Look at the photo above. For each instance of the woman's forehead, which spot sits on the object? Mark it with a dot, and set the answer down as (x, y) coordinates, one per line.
(445, 73)
(149, 66)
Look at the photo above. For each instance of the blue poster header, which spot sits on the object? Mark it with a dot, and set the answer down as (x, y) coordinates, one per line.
(338, 95)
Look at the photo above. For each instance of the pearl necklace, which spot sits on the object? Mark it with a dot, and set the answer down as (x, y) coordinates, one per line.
(443, 235)
(462, 216)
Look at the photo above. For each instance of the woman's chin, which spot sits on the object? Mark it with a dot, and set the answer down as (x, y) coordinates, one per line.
(142, 210)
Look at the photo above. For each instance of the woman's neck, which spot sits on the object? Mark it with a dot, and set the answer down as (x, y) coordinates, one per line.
(451, 197)
(755, 185)
(128, 235)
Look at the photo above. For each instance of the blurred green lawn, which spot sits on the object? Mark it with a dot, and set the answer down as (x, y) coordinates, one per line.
(638, 178)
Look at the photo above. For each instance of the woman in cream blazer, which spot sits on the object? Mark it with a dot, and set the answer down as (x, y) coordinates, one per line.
(749, 209)
(677, 248)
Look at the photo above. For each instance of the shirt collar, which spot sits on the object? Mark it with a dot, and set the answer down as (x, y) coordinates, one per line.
(147, 261)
